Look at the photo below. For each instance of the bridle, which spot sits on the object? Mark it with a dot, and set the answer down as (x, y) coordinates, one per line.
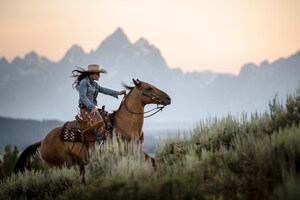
(149, 95)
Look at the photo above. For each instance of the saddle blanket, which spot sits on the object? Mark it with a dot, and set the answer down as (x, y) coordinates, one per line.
(69, 133)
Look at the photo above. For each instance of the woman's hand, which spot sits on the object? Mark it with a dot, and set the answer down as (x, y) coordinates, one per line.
(122, 92)
(95, 111)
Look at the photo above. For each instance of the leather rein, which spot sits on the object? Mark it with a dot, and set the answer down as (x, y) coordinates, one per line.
(158, 108)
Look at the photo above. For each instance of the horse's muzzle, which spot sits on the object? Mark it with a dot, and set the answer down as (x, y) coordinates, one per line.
(165, 100)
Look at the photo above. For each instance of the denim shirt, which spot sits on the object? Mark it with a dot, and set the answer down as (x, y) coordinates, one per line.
(88, 92)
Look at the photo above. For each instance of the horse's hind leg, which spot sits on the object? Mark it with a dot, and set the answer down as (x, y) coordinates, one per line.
(82, 172)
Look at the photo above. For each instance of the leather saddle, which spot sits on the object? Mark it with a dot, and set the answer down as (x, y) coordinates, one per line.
(108, 118)
(71, 129)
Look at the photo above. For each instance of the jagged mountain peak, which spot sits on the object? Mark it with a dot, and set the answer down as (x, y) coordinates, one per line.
(16, 59)
(74, 53)
(30, 63)
(264, 63)
(4, 60)
(31, 54)
(31, 58)
(295, 56)
(75, 49)
(117, 40)
(247, 69)
(119, 33)
(143, 46)
(142, 42)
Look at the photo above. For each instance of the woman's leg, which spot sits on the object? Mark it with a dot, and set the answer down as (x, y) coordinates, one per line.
(96, 118)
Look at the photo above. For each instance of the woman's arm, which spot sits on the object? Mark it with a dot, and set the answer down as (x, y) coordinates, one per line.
(107, 91)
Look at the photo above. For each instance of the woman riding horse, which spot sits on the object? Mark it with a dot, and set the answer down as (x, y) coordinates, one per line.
(85, 83)
(129, 119)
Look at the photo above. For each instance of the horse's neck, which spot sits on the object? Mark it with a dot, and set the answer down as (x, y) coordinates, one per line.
(127, 121)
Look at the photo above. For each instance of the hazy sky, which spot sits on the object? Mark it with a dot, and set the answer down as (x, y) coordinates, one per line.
(195, 35)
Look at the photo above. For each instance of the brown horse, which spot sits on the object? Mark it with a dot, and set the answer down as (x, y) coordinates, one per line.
(57, 152)
(129, 118)
(128, 124)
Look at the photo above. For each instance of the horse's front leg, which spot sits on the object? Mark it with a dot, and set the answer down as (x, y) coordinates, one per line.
(147, 156)
(153, 161)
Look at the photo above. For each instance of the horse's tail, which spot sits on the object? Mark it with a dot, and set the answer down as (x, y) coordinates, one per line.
(25, 155)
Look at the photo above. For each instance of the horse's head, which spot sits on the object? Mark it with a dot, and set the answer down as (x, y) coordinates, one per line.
(133, 104)
(151, 94)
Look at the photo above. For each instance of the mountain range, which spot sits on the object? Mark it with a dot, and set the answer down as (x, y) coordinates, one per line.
(35, 87)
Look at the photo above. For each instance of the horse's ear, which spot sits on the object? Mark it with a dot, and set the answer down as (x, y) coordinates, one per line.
(136, 82)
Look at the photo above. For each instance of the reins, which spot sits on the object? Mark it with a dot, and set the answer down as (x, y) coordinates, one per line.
(158, 108)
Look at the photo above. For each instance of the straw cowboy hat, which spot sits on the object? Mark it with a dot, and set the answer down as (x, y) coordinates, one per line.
(95, 69)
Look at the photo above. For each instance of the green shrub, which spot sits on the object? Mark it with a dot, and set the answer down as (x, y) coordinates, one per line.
(39, 185)
(289, 190)
(8, 160)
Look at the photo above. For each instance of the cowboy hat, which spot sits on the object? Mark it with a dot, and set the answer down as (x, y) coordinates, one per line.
(95, 69)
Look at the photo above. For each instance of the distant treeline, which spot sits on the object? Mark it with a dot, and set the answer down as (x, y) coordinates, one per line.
(22, 132)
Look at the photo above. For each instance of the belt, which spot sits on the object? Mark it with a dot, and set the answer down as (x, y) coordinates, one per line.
(82, 106)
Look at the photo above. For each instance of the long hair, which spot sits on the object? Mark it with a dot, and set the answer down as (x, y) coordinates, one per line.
(78, 74)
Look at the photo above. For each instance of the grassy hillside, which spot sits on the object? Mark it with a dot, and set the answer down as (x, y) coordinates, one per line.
(244, 157)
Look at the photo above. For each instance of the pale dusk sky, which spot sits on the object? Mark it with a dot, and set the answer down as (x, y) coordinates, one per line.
(194, 35)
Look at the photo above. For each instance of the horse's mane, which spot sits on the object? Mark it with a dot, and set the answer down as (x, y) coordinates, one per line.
(127, 86)
(130, 88)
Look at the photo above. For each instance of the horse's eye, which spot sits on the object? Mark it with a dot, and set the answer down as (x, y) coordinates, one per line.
(149, 88)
